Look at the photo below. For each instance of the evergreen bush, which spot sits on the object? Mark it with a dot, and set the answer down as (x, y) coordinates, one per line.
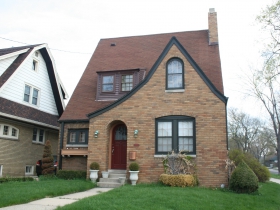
(15, 179)
(67, 174)
(261, 171)
(47, 161)
(134, 166)
(243, 179)
(94, 166)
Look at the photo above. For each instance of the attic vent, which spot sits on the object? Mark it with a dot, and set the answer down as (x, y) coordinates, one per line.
(36, 53)
(113, 44)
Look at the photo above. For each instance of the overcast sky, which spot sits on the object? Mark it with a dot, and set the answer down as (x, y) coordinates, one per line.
(77, 26)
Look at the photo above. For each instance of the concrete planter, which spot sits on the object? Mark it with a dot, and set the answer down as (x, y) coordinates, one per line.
(122, 180)
(93, 175)
(105, 174)
(133, 177)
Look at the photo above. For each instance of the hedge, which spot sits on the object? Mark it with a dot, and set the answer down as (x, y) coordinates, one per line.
(15, 179)
(181, 180)
(67, 174)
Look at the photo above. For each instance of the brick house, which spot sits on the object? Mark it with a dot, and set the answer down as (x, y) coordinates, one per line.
(150, 95)
(31, 102)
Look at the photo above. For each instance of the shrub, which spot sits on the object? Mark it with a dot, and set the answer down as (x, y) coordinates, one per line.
(47, 161)
(178, 163)
(15, 179)
(65, 174)
(94, 166)
(261, 171)
(134, 166)
(243, 179)
(181, 180)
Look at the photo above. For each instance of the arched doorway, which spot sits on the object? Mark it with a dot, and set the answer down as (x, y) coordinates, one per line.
(119, 144)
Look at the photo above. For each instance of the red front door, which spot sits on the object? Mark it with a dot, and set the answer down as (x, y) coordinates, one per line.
(119, 147)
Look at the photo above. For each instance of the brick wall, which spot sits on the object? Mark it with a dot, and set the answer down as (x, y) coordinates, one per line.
(72, 162)
(16, 154)
(150, 102)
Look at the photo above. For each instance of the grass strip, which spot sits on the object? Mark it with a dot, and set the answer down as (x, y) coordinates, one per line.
(13, 193)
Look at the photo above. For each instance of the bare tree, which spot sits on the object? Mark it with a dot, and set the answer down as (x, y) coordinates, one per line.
(264, 83)
(243, 130)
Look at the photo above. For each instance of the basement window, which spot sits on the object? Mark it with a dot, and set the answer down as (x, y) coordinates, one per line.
(29, 170)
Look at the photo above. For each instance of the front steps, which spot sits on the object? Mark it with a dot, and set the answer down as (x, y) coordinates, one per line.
(113, 180)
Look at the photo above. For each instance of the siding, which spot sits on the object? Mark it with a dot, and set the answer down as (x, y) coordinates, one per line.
(14, 89)
(5, 63)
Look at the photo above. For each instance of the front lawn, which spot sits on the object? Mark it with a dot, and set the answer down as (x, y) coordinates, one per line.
(275, 176)
(23, 192)
(156, 196)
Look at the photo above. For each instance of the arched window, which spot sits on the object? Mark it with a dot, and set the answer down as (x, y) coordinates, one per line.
(8, 131)
(175, 74)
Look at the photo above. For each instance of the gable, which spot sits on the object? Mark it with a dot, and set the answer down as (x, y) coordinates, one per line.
(39, 79)
(134, 53)
(172, 42)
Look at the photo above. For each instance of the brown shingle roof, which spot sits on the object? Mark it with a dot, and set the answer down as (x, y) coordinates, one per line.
(5, 51)
(138, 52)
(20, 110)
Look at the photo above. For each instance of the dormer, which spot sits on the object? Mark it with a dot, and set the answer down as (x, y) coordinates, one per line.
(111, 85)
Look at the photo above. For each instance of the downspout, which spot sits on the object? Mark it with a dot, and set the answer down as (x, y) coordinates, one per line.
(61, 144)
(226, 123)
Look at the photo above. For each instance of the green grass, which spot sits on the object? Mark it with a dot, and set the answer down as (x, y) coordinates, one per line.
(275, 176)
(23, 192)
(156, 196)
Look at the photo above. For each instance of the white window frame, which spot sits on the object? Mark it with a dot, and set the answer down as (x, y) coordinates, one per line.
(31, 170)
(31, 93)
(38, 135)
(36, 61)
(1, 170)
(10, 131)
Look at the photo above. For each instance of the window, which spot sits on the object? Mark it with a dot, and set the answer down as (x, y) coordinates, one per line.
(31, 95)
(35, 63)
(112, 85)
(175, 133)
(29, 170)
(38, 135)
(107, 83)
(1, 169)
(78, 136)
(174, 74)
(127, 82)
(8, 131)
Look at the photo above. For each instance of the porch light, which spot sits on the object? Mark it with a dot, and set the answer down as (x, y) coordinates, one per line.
(96, 134)
(136, 133)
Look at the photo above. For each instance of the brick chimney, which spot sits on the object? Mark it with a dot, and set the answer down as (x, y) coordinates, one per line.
(212, 27)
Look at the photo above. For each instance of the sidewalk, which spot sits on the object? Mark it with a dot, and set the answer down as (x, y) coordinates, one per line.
(275, 180)
(53, 203)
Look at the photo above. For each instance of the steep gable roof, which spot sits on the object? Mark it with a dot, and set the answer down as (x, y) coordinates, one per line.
(139, 52)
(172, 42)
(14, 108)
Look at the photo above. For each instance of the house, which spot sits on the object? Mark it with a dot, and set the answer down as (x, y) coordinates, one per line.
(31, 102)
(144, 96)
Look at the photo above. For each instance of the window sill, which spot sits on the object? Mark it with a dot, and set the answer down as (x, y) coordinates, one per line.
(40, 143)
(8, 138)
(163, 156)
(175, 91)
(76, 145)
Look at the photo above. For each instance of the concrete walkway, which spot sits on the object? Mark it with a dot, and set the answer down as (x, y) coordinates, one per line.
(275, 180)
(53, 203)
